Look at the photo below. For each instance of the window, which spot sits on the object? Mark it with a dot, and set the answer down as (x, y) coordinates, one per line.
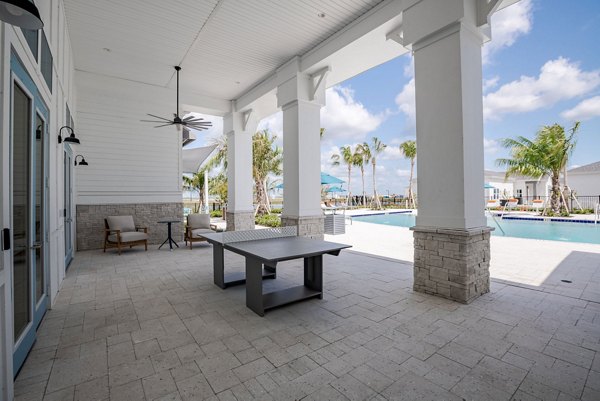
(46, 62)
(519, 193)
(496, 193)
(32, 39)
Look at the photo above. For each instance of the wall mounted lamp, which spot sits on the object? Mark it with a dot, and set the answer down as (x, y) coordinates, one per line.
(82, 162)
(70, 139)
(21, 13)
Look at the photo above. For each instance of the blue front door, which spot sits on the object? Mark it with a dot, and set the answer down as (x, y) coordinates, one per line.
(29, 194)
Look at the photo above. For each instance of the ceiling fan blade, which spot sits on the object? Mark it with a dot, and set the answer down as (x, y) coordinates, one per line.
(164, 125)
(159, 117)
(158, 122)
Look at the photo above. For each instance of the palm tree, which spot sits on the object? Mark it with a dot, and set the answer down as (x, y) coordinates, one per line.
(196, 183)
(346, 156)
(266, 160)
(547, 154)
(363, 158)
(409, 150)
(220, 156)
(377, 148)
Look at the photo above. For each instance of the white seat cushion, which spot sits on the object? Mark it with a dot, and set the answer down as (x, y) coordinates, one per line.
(197, 233)
(129, 237)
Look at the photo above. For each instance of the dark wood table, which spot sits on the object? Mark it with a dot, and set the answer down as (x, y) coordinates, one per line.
(264, 254)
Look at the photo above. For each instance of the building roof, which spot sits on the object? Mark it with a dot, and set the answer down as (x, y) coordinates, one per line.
(588, 168)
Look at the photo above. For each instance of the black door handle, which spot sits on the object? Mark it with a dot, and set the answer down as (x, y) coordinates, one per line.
(5, 239)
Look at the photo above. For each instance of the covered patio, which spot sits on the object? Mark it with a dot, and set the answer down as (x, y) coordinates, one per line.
(153, 326)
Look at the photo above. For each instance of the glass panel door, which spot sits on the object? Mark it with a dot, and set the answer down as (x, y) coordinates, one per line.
(22, 105)
(68, 160)
(29, 200)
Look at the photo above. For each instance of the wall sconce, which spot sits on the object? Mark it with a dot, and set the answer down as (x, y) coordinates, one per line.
(21, 13)
(70, 139)
(82, 162)
(38, 132)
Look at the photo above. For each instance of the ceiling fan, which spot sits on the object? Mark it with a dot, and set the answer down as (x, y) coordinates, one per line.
(192, 122)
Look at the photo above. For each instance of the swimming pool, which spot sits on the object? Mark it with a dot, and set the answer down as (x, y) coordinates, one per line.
(547, 230)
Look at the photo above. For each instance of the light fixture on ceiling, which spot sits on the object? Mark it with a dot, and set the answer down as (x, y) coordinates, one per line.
(321, 15)
(71, 139)
(82, 162)
(192, 122)
(21, 13)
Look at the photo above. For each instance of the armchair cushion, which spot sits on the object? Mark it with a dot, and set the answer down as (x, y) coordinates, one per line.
(123, 223)
(197, 220)
(129, 236)
(197, 233)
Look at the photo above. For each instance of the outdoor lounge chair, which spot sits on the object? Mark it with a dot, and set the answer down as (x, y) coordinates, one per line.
(120, 231)
(510, 204)
(197, 224)
(492, 203)
(537, 204)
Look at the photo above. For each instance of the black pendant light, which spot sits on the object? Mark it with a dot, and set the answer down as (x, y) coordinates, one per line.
(192, 122)
(21, 13)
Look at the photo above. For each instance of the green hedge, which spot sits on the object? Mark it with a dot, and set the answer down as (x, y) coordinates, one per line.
(216, 213)
(268, 220)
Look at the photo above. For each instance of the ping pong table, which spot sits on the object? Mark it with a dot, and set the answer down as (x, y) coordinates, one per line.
(263, 249)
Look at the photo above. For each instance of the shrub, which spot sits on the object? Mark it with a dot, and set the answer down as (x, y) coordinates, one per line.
(276, 210)
(582, 211)
(216, 213)
(268, 220)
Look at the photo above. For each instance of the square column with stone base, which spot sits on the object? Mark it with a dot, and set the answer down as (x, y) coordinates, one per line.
(453, 264)
(452, 240)
(308, 226)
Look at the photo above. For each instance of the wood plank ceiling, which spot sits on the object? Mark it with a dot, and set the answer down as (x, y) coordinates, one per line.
(224, 46)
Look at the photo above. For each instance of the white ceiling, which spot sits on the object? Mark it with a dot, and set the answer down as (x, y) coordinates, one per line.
(224, 46)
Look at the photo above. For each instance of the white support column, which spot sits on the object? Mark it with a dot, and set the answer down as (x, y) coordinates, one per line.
(302, 153)
(239, 131)
(451, 235)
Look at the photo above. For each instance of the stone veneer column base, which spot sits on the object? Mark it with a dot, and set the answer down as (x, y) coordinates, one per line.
(453, 264)
(308, 226)
(239, 221)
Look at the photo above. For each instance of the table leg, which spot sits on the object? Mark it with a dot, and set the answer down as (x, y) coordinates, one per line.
(313, 273)
(169, 236)
(161, 245)
(254, 290)
(218, 265)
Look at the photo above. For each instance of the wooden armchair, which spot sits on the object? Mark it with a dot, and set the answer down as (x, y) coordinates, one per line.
(120, 231)
(197, 224)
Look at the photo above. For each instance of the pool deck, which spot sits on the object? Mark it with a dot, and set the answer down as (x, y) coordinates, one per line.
(529, 263)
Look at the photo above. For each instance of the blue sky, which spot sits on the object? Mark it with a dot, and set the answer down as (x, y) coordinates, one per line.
(541, 67)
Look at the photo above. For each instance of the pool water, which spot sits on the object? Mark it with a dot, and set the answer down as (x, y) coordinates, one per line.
(546, 230)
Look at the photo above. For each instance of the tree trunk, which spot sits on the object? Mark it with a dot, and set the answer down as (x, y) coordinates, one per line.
(555, 195)
(364, 196)
(262, 207)
(375, 196)
(348, 200)
(411, 198)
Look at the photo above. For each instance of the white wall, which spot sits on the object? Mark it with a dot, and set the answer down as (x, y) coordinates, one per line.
(129, 160)
(585, 184)
(11, 38)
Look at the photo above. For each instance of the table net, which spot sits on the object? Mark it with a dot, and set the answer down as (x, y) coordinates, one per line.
(255, 235)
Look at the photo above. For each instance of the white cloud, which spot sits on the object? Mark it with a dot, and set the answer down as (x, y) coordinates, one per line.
(406, 101)
(490, 146)
(507, 25)
(559, 79)
(391, 152)
(345, 118)
(403, 173)
(585, 110)
(490, 83)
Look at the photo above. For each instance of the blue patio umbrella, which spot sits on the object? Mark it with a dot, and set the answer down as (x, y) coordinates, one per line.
(326, 179)
(335, 189)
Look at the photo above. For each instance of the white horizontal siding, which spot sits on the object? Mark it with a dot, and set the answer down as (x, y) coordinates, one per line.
(129, 160)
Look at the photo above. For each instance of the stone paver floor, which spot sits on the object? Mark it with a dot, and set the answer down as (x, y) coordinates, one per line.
(152, 326)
